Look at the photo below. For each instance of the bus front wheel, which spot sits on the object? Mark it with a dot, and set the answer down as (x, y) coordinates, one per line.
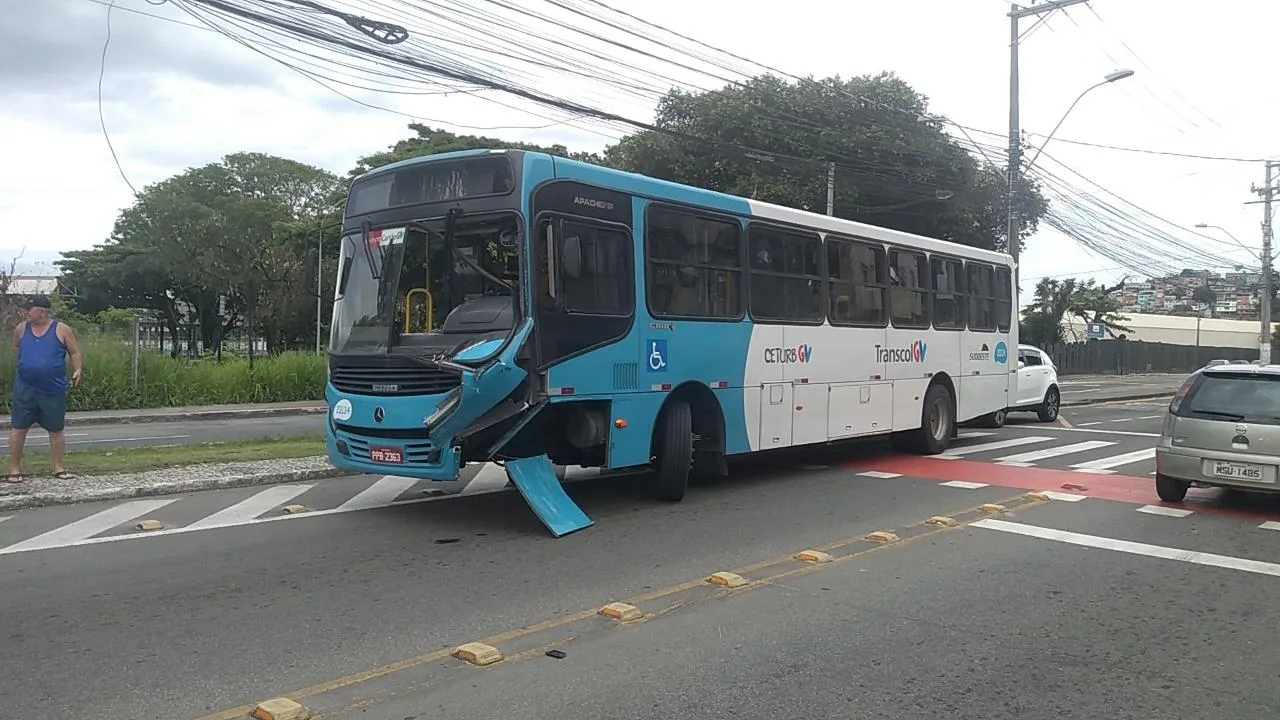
(675, 451)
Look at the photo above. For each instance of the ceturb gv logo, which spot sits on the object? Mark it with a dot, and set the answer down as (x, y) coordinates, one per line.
(786, 356)
(913, 353)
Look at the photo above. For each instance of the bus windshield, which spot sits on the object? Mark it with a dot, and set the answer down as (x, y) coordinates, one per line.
(398, 284)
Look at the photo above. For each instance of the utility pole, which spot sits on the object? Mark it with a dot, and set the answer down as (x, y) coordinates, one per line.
(1016, 13)
(831, 188)
(1268, 193)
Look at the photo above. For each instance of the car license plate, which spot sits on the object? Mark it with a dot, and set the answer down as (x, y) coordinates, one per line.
(387, 455)
(1239, 471)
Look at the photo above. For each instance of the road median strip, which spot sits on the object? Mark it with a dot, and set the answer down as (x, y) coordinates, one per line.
(559, 633)
(122, 473)
(178, 414)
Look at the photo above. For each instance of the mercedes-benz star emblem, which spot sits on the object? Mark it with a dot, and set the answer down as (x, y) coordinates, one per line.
(1242, 429)
(378, 414)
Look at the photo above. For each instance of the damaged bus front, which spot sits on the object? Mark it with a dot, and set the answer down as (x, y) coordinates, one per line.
(428, 350)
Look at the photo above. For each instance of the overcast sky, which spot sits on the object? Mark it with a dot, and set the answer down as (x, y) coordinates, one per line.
(176, 95)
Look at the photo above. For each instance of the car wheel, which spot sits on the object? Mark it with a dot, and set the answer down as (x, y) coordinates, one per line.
(995, 419)
(1048, 412)
(1171, 490)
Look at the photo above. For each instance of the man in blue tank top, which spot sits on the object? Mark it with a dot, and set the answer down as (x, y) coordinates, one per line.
(40, 385)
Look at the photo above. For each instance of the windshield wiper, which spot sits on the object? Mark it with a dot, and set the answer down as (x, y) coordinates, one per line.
(374, 273)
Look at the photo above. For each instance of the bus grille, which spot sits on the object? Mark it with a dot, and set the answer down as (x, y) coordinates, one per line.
(391, 377)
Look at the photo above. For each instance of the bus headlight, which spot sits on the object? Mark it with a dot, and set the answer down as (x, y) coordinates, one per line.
(446, 406)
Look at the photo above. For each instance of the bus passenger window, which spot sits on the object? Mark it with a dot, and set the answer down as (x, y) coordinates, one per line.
(1004, 298)
(982, 297)
(948, 294)
(857, 285)
(786, 279)
(694, 265)
(909, 293)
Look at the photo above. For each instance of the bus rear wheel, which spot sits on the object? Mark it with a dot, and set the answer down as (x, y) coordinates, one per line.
(675, 451)
(937, 419)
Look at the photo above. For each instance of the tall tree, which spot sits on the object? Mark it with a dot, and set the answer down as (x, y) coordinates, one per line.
(221, 240)
(429, 141)
(1072, 298)
(771, 140)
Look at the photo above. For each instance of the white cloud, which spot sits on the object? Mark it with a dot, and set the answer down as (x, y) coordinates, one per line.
(215, 97)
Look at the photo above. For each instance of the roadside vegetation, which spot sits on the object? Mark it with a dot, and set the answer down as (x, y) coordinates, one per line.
(110, 460)
(163, 381)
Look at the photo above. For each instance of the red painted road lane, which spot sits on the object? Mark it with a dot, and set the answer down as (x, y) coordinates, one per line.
(1120, 488)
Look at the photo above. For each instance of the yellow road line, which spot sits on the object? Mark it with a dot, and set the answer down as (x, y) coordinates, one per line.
(239, 713)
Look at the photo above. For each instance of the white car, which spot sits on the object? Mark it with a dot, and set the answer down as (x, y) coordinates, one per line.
(1037, 389)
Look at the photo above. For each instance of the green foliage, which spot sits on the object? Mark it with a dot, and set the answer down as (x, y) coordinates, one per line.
(428, 141)
(896, 167)
(107, 383)
(213, 244)
(1054, 300)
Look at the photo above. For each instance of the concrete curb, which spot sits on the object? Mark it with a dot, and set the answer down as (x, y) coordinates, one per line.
(158, 417)
(44, 499)
(1118, 398)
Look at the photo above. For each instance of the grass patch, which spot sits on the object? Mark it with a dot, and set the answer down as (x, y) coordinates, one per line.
(110, 460)
(165, 382)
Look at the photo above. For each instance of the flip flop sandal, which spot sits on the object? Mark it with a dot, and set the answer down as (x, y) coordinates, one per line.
(15, 479)
(64, 475)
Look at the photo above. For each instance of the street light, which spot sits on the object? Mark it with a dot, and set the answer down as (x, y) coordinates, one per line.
(1235, 239)
(1015, 144)
(1110, 78)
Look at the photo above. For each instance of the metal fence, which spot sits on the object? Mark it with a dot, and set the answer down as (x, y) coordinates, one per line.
(1129, 356)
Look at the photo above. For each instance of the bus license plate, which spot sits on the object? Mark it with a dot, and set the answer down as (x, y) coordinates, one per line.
(1238, 471)
(386, 455)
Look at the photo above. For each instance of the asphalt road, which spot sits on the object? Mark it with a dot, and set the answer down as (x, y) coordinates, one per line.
(84, 437)
(973, 621)
(1076, 388)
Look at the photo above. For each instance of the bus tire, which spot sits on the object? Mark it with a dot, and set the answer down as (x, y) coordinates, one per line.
(937, 419)
(675, 451)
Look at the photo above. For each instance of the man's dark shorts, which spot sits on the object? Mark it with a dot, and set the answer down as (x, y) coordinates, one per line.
(33, 408)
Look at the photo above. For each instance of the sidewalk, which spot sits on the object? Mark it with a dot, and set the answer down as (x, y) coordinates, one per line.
(43, 491)
(188, 413)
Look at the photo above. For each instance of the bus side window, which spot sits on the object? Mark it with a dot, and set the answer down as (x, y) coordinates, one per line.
(909, 296)
(948, 294)
(694, 265)
(982, 297)
(857, 285)
(1004, 298)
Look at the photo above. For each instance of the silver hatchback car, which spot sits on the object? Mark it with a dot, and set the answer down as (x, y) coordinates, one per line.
(1222, 430)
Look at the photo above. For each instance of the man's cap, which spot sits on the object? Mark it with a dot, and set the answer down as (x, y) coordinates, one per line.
(39, 301)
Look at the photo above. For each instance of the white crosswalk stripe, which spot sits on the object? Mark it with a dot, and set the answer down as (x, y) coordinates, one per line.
(988, 446)
(380, 493)
(88, 527)
(1105, 464)
(1036, 455)
(252, 507)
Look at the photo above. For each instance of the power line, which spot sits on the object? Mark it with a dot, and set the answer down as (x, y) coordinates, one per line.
(472, 33)
(102, 120)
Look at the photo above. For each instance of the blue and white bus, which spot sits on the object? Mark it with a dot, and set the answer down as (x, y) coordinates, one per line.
(532, 311)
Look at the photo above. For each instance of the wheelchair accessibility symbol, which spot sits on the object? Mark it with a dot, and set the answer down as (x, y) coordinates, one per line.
(657, 355)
